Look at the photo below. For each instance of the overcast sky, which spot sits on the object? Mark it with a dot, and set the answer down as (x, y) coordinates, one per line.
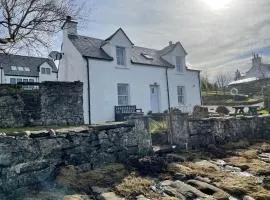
(219, 35)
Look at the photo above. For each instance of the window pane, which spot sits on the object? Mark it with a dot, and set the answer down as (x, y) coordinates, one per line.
(48, 71)
(42, 70)
(12, 80)
(20, 68)
(123, 94)
(31, 80)
(19, 80)
(179, 63)
(180, 94)
(25, 80)
(120, 55)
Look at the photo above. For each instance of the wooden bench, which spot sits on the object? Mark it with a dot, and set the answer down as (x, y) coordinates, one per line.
(121, 112)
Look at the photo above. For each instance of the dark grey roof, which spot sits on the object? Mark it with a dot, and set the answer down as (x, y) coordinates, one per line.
(91, 47)
(138, 58)
(8, 60)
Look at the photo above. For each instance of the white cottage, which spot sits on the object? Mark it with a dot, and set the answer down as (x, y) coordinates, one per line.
(117, 72)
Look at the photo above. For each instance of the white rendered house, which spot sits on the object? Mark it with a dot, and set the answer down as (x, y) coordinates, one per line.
(116, 72)
(17, 68)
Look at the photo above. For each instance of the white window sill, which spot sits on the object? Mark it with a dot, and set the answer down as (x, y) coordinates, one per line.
(121, 67)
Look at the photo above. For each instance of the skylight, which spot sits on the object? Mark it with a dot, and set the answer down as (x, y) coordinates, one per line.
(20, 68)
(13, 68)
(27, 69)
(147, 56)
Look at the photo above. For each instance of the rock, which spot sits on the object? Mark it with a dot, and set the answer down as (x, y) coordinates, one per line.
(182, 188)
(110, 196)
(215, 151)
(173, 192)
(175, 158)
(217, 193)
(266, 182)
(77, 197)
(232, 169)
(141, 197)
(203, 179)
(248, 198)
(99, 190)
(180, 176)
(149, 164)
(208, 164)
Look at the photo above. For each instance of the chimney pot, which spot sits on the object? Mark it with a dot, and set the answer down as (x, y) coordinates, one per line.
(170, 43)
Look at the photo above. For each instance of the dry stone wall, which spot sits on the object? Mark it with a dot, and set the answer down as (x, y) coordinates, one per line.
(200, 133)
(32, 159)
(54, 103)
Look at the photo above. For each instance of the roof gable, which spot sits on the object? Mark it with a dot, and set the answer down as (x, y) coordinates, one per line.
(172, 48)
(120, 33)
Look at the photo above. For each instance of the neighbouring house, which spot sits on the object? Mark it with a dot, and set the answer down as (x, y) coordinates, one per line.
(258, 70)
(17, 68)
(117, 72)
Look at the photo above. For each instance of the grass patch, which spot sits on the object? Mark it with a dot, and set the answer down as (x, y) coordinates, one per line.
(158, 126)
(133, 186)
(106, 176)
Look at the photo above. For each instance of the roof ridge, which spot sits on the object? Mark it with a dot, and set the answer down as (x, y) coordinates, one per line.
(2, 54)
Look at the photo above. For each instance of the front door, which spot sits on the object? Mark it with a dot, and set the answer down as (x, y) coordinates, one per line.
(154, 98)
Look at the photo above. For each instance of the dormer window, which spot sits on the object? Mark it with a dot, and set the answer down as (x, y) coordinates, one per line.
(179, 65)
(121, 56)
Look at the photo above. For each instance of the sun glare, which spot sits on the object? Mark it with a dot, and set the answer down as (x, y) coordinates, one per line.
(217, 4)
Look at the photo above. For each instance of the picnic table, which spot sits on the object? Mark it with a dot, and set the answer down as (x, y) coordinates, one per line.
(252, 110)
(239, 110)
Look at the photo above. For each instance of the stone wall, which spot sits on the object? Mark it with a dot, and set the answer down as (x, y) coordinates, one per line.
(32, 159)
(53, 103)
(200, 133)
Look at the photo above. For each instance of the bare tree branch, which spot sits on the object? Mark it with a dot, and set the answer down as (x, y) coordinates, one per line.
(27, 23)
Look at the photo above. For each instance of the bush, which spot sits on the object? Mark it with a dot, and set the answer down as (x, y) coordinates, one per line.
(222, 110)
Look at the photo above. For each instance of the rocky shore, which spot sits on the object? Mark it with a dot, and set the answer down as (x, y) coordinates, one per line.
(235, 171)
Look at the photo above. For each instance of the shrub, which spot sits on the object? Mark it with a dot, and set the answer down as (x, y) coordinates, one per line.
(222, 110)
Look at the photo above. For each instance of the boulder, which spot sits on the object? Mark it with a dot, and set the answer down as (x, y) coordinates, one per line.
(184, 189)
(266, 182)
(77, 197)
(110, 196)
(217, 193)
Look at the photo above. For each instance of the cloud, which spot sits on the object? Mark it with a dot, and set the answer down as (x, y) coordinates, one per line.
(214, 39)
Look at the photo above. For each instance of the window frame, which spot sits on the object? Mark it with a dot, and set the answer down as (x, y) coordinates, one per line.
(48, 70)
(182, 95)
(127, 95)
(179, 64)
(14, 81)
(121, 58)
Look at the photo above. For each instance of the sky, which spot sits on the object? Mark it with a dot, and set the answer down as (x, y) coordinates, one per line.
(219, 35)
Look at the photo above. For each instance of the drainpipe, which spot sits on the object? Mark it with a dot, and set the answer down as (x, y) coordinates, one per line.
(199, 77)
(169, 108)
(1, 69)
(88, 90)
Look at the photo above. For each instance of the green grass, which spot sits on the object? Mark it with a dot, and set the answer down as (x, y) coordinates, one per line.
(158, 126)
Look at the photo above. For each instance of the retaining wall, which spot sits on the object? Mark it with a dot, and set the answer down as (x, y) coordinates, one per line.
(53, 103)
(32, 159)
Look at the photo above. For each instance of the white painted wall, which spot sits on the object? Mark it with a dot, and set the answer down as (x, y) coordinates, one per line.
(47, 77)
(72, 67)
(6, 79)
(104, 77)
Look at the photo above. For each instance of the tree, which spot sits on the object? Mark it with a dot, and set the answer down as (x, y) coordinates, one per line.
(222, 80)
(30, 23)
